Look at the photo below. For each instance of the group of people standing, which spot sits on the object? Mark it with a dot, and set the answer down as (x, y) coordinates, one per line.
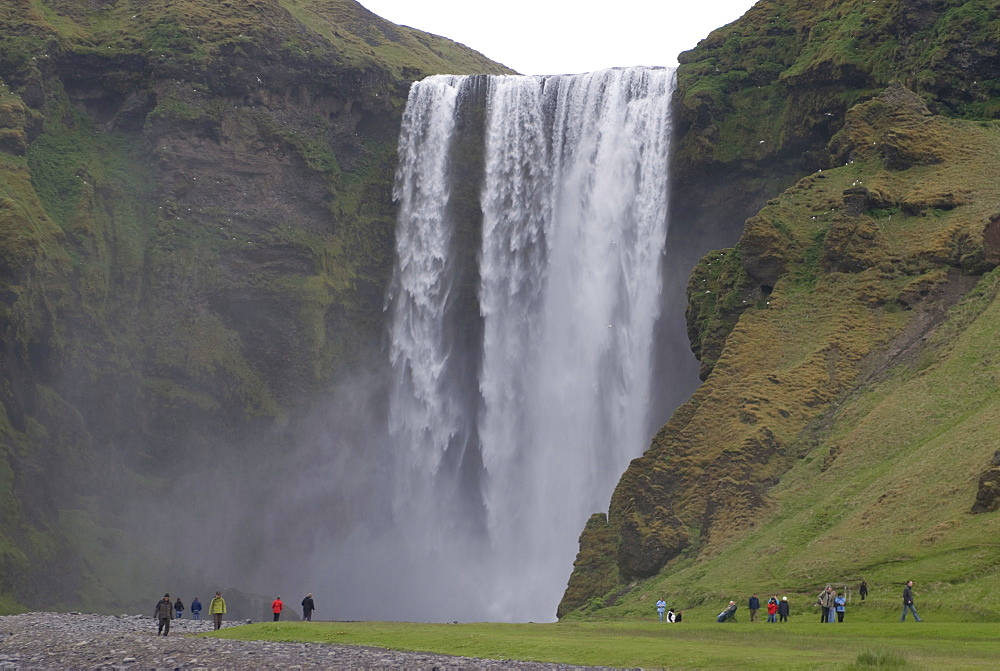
(308, 606)
(775, 608)
(832, 604)
(166, 611)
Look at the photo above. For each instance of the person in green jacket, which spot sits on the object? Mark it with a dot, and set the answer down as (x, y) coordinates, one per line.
(217, 608)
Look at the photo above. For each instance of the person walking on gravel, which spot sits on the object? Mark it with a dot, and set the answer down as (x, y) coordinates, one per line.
(196, 609)
(217, 608)
(164, 613)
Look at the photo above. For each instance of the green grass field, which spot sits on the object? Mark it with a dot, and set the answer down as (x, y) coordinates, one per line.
(799, 644)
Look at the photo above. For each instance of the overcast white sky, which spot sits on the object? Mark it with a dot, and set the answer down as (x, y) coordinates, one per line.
(547, 37)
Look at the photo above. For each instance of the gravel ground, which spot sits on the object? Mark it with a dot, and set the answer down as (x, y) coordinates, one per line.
(79, 641)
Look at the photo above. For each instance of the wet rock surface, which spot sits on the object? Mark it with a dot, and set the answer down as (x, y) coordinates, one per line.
(80, 641)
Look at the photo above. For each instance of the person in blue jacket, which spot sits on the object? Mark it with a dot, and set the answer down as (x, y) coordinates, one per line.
(840, 604)
(753, 605)
(661, 607)
(196, 609)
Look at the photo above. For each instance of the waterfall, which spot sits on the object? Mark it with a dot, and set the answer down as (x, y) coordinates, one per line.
(522, 309)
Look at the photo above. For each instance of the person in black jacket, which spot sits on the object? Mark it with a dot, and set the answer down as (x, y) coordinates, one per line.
(908, 602)
(308, 606)
(783, 609)
(179, 608)
(863, 590)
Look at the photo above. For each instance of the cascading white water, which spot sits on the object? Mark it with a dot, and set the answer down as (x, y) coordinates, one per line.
(501, 448)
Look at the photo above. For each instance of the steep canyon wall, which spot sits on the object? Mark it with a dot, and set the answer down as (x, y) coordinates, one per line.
(198, 231)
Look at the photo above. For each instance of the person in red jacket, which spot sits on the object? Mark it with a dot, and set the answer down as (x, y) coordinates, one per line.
(276, 607)
(772, 609)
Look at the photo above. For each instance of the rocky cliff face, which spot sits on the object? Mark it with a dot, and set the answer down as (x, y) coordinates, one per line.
(884, 219)
(196, 230)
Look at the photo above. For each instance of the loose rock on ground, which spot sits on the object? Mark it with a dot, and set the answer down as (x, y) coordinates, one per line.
(81, 641)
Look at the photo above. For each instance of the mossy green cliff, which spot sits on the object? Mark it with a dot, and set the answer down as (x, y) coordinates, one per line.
(795, 462)
(196, 229)
(759, 99)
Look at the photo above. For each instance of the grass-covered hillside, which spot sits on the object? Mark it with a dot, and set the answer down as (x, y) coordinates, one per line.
(186, 36)
(846, 426)
(195, 234)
